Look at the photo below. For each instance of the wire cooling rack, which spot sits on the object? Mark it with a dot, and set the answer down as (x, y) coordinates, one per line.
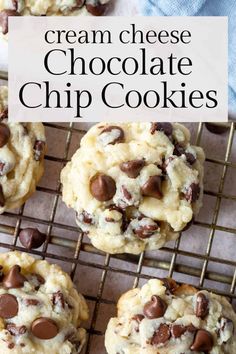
(204, 255)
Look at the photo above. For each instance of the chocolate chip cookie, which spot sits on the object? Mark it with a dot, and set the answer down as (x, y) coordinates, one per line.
(48, 8)
(164, 317)
(134, 186)
(40, 310)
(22, 148)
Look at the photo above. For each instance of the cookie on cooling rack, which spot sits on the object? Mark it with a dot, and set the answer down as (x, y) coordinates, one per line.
(40, 310)
(22, 148)
(134, 186)
(165, 318)
(48, 8)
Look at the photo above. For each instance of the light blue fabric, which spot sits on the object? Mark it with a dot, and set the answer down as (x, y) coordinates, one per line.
(202, 8)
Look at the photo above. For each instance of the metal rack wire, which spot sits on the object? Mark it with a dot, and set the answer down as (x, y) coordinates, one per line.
(169, 263)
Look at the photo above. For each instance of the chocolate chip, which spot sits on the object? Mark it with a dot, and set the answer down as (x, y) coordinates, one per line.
(191, 159)
(115, 135)
(72, 337)
(152, 188)
(5, 168)
(2, 168)
(25, 130)
(36, 279)
(161, 335)
(216, 129)
(11, 345)
(95, 7)
(202, 303)
(166, 128)
(146, 230)
(15, 3)
(192, 193)
(110, 220)
(102, 187)
(203, 341)
(4, 114)
(165, 164)
(178, 330)
(1, 273)
(170, 285)
(44, 328)
(31, 238)
(39, 149)
(191, 328)
(39, 278)
(77, 345)
(16, 330)
(14, 279)
(86, 218)
(125, 222)
(4, 19)
(155, 308)
(180, 150)
(58, 299)
(132, 168)
(4, 134)
(2, 198)
(8, 306)
(31, 302)
(138, 318)
(126, 193)
(80, 3)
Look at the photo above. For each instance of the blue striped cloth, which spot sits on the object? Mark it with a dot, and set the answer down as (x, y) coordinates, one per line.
(202, 8)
